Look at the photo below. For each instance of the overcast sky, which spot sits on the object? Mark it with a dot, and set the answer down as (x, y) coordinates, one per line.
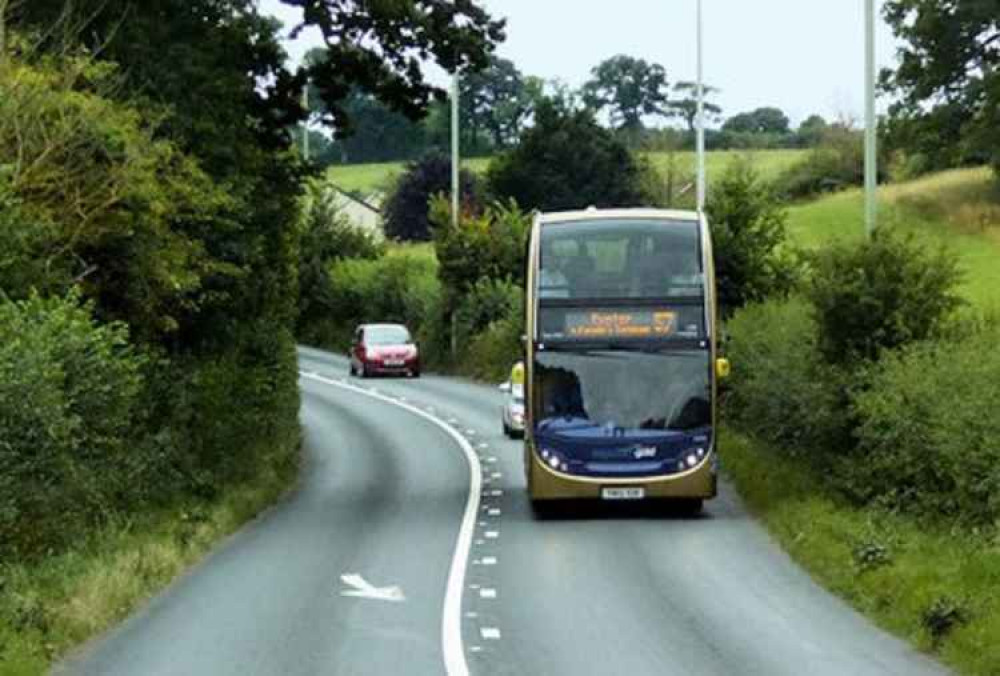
(803, 56)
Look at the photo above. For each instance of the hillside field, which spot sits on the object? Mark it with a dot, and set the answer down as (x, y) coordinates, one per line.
(371, 177)
(959, 209)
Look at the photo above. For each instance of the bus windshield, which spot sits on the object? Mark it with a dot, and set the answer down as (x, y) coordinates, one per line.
(621, 259)
(621, 392)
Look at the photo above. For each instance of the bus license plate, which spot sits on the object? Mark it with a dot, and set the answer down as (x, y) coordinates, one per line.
(623, 493)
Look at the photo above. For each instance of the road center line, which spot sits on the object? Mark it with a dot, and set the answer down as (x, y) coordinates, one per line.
(451, 621)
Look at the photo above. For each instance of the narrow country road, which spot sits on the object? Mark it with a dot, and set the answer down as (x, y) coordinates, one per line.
(385, 501)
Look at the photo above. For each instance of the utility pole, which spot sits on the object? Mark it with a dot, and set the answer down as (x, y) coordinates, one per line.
(871, 124)
(701, 114)
(455, 154)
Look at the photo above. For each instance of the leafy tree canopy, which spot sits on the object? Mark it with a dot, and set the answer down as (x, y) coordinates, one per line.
(949, 74)
(629, 88)
(686, 107)
(567, 161)
(760, 121)
(499, 100)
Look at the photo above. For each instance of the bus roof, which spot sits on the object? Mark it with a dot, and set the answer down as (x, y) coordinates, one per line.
(617, 214)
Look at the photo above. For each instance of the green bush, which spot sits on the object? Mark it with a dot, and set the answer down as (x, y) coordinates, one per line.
(879, 295)
(836, 163)
(491, 352)
(68, 390)
(400, 287)
(489, 301)
(407, 207)
(749, 235)
(928, 430)
(327, 236)
(781, 389)
(489, 246)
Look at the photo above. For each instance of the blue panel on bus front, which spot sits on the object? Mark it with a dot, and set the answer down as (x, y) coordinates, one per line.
(588, 450)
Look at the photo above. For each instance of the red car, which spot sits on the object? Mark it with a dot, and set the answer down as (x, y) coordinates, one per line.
(384, 349)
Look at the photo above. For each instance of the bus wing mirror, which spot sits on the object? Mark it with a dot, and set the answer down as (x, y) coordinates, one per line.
(723, 368)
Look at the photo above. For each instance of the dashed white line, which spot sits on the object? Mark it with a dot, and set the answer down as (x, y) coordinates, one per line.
(493, 511)
(489, 561)
(492, 534)
(487, 593)
(489, 633)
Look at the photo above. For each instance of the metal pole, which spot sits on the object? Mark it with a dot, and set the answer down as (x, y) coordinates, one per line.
(455, 159)
(871, 123)
(305, 124)
(701, 114)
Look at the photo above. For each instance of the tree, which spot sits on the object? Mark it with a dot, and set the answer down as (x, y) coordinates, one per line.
(687, 107)
(749, 235)
(498, 100)
(759, 121)
(380, 48)
(949, 71)
(629, 88)
(567, 161)
(407, 211)
(811, 131)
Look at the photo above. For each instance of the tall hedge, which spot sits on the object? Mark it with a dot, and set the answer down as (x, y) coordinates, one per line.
(69, 389)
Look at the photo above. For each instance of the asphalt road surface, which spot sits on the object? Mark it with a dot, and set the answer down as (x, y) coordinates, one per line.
(410, 548)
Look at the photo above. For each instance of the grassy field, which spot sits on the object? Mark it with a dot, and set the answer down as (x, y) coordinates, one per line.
(933, 586)
(371, 177)
(959, 209)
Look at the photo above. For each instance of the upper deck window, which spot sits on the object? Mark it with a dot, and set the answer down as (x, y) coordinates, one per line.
(621, 259)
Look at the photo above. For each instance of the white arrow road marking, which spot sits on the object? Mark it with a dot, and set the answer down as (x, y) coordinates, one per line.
(365, 590)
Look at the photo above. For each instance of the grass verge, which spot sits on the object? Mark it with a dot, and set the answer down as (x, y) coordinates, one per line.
(51, 606)
(935, 586)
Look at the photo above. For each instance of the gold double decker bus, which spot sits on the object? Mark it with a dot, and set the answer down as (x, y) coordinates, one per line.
(621, 357)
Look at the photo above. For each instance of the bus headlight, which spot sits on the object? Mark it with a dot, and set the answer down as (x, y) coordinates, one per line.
(554, 462)
(692, 460)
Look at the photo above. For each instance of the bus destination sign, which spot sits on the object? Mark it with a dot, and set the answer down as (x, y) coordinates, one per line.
(621, 324)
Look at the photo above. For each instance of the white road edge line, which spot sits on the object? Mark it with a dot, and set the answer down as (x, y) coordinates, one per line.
(451, 623)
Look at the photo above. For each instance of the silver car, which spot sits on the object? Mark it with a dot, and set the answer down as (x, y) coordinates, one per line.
(512, 411)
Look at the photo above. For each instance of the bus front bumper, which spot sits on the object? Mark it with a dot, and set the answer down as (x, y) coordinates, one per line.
(546, 484)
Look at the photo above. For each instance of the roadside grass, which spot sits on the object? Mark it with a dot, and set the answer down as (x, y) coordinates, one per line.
(933, 585)
(371, 177)
(959, 209)
(48, 607)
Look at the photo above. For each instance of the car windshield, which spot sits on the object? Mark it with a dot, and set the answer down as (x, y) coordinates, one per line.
(386, 335)
(622, 390)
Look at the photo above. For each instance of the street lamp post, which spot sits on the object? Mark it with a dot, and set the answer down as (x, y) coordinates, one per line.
(701, 114)
(455, 159)
(871, 123)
